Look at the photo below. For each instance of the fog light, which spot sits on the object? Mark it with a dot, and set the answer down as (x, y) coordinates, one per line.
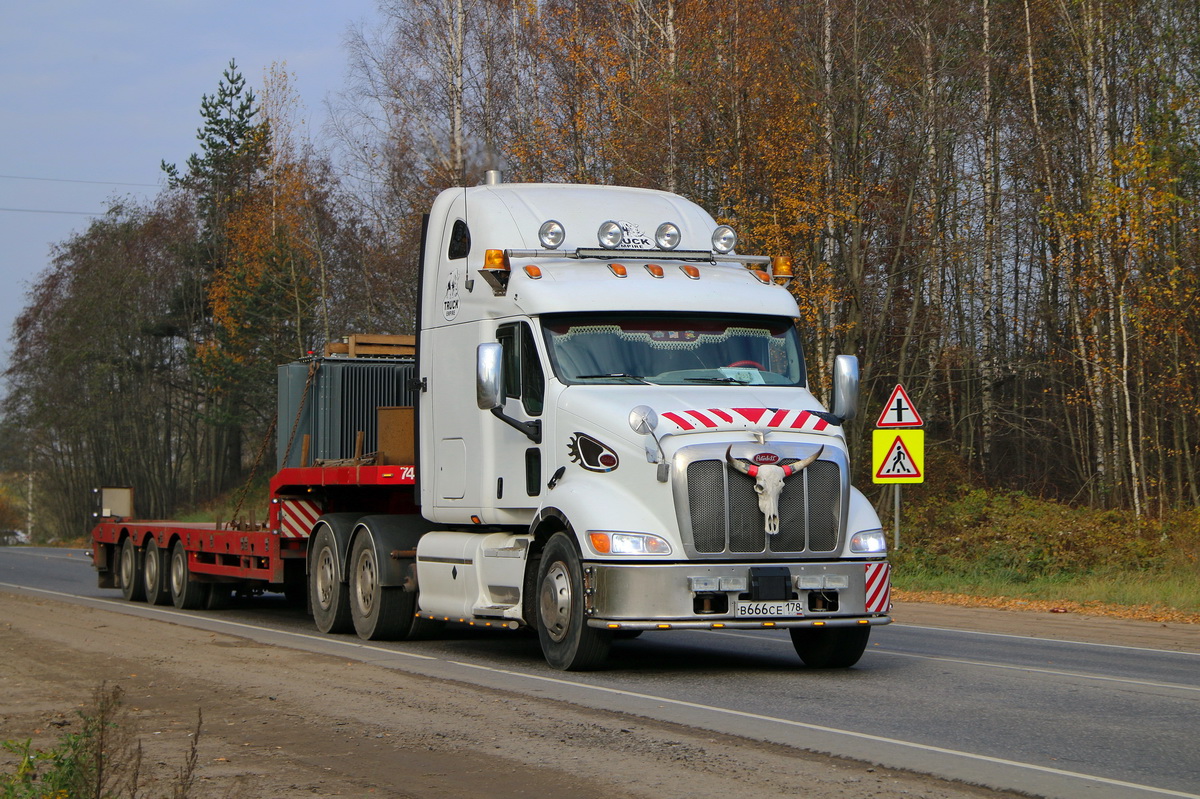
(837, 581)
(704, 585)
(807, 582)
(733, 584)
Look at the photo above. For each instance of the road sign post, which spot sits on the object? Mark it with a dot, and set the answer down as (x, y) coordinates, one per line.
(898, 451)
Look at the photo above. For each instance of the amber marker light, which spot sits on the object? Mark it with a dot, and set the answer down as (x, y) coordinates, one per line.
(619, 270)
(781, 268)
(690, 270)
(655, 270)
(601, 542)
(496, 260)
(762, 276)
(534, 272)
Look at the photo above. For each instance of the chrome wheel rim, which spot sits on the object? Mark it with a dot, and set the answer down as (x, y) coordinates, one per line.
(556, 601)
(326, 578)
(365, 586)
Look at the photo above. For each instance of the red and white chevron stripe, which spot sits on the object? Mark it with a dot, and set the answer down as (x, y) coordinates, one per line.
(743, 419)
(879, 587)
(297, 517)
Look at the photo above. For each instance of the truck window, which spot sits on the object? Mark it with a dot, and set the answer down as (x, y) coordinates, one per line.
(523, 375)
(460, 241)
(674, 349)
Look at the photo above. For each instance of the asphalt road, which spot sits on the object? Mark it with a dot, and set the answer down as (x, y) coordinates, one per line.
(1050, 718)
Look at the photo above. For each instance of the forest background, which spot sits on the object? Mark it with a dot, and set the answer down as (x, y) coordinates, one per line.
(991, 201)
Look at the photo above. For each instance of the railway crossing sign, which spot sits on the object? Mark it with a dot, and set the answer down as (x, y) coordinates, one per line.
(899, 411)
(898, 456)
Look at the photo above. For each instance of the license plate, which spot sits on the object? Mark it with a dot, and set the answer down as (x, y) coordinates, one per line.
(768, 610)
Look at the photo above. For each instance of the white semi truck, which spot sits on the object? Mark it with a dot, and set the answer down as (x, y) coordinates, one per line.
(614, 433)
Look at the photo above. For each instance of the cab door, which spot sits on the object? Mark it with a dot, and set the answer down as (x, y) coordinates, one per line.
(519, 478)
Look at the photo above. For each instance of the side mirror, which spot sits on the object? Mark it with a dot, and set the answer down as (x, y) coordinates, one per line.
(643, 420)
(489, 376)
(845, 387)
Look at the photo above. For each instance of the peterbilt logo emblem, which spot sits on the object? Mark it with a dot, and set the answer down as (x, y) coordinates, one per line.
(591, 454)
(764, 458)
(768, 482)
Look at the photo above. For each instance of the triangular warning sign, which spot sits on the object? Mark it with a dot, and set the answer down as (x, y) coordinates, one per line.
(899, 411)
(898, 462)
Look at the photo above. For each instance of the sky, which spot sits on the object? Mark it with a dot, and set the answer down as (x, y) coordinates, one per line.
(94, 95)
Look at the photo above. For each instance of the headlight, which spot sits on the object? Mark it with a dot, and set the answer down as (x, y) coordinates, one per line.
(629, 543)
(667, 236)
(610, 235)
(724, 239)
(551, 234)
(868, 541)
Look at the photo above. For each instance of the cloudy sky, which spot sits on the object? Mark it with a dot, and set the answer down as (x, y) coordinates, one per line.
(93, 95)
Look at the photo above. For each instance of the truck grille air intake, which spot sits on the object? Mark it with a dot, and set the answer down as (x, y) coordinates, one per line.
(725, 518)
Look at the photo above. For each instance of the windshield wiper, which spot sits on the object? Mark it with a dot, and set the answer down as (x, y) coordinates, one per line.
(716, 380)
(612, 374)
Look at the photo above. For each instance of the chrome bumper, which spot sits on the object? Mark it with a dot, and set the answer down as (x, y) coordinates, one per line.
(624, 596)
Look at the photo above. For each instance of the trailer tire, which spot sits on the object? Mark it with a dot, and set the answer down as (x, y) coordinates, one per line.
(186, 594)
(830, 647)
(154, 574)
(128, 573)
(567, 642)
(328, 595)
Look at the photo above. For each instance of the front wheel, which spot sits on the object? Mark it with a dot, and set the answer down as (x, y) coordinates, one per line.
(567, 642)
(186, 594)
(830, 647)
(132, 587)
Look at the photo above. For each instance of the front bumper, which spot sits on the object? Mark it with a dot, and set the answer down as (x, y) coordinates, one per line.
(626, 596)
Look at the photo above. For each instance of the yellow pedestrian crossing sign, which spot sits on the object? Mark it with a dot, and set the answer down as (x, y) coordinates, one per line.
(898, 456)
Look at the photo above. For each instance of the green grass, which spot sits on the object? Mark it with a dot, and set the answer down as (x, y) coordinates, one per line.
(994, 543)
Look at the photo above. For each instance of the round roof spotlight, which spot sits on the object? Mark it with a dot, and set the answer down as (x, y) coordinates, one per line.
(667, 236)
(551, 234)
(610, 235)
(724, 239)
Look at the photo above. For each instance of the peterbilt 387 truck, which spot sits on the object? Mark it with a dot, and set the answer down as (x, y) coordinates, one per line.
(605, 427)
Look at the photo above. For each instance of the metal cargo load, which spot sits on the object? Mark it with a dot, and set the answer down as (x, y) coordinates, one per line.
(343, 398)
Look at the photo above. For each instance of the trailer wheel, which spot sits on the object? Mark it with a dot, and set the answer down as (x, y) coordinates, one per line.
(379, 613)
(328, 596)
(830, 647)
(130, 575)
(186, 594)
(567, 642)
(154, 571)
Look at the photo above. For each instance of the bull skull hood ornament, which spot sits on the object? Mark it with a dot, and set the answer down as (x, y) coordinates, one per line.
(768, 483)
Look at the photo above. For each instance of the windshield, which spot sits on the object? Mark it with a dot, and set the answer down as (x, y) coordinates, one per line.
(674, 349)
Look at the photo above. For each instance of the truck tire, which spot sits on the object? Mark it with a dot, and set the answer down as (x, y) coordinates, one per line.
(129, 575)
(567, 642)
(328, 595)
(186, 594)
(379, 613)
(830, 647)
(154, 574)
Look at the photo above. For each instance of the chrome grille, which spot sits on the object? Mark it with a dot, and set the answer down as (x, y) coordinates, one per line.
(725, 519)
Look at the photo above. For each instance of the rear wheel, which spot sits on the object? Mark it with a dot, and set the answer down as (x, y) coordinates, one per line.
(186, 594)
(328, 596)
(830, 647)
(379, 612)
(567, 642)
(154, 572)
(132, 587)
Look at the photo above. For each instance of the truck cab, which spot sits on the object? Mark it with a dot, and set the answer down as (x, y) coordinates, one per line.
(616, 431)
